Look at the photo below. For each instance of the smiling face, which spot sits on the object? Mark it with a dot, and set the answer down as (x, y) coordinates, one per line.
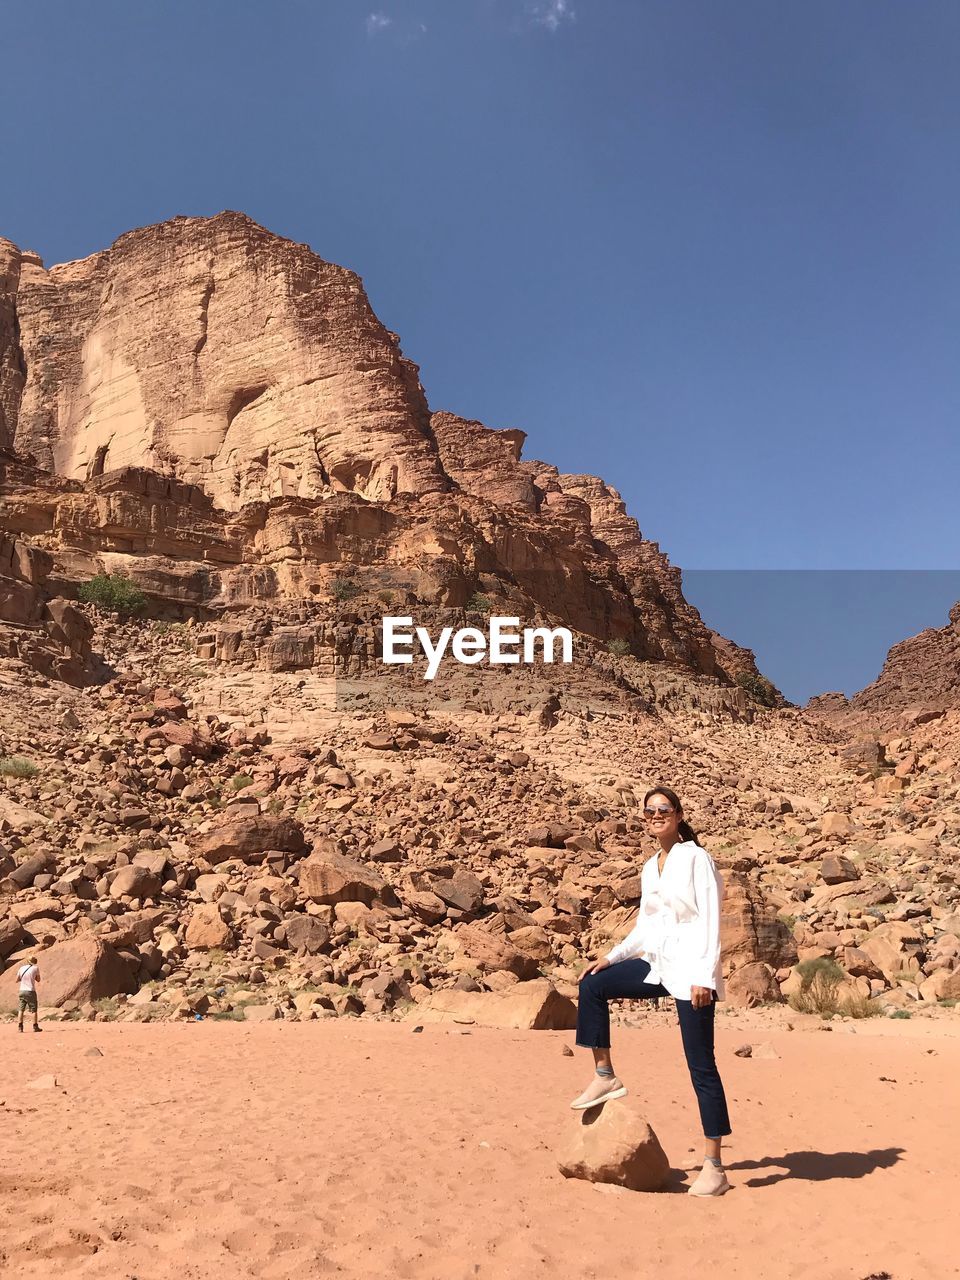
(662, 819)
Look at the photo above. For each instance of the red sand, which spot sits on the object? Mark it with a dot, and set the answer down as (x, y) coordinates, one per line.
(208, 1150)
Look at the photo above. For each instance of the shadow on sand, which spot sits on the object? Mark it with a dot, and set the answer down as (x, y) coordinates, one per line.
(819, 1166)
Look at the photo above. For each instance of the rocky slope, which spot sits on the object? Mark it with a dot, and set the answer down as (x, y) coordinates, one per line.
(254, 843)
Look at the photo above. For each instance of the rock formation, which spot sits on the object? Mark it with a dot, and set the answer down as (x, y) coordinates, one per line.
(920, 680)
(217, 412)
(209, 349)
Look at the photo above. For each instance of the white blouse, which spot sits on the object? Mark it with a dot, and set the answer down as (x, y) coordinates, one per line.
(678, 924)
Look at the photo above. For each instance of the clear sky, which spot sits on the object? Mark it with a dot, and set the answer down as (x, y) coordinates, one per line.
(708, 249)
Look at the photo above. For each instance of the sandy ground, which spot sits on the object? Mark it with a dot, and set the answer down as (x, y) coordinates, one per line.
(209, 1150)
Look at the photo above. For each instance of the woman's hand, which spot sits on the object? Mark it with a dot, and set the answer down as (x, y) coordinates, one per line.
(700, 997)
(595, 967)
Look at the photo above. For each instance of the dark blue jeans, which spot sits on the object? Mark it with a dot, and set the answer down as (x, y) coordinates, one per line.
(628, 981)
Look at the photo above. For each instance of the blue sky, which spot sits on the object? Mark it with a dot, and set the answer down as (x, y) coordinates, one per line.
(707, 249)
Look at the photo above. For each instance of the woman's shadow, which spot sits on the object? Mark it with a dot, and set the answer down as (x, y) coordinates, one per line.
(820, 1166)
(809, 1166)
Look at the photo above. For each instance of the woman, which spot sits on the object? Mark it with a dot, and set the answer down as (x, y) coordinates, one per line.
(673, 950)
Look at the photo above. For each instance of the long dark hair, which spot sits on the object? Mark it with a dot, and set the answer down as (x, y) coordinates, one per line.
(684, 828)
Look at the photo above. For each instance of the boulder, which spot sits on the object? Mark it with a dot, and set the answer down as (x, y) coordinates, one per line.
(852, 898)
(856, 962)
(836, 869)
(492, 953)
(207, 930)
(751, 985)
(11, 935)
(247, 839)
(895, 948)
(461, 890)
(329, 877)
(306, 935)
(32, 866)
(81, 969)
(836, 824)
(135, 882)
(943, 985)
(533, 942)
(525, 1006)
(615, 1143)
(211, 886)
(385, 851)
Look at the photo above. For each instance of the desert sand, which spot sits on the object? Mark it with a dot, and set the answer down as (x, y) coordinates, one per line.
(209, 1149)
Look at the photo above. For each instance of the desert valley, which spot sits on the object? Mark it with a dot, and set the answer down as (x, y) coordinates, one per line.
(311, 926)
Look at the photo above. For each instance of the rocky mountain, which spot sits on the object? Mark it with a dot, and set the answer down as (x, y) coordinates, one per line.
(919, 682)
(218, 413)
(223, 804)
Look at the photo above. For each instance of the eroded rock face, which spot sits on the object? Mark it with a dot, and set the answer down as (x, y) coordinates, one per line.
(223, 354)
(36, 626)
(217, 412)
(81, 969)
(919, 682)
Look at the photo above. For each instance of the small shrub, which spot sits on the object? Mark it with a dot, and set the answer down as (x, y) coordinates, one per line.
(900, 1013)
(827, 996)
(17, 767)
(478, 603)
(385, 597)
(619, 646)
(113, 593)
(758, 688)
(227, 1015)
(858, 1006)
(344, 589)
(819, 981)
(788, 920)
(239, 781)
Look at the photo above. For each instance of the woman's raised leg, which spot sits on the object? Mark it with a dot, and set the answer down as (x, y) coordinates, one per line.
(624, 981)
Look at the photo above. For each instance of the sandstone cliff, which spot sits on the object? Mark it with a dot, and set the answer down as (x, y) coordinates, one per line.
(210, 349)
(217, 412)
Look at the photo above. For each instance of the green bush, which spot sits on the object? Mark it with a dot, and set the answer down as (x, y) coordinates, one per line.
(113, 593)
(819, 980)
(758, 688)
(821, 991)
(619, 646)
(478, 603)
(344, 589)
(17, 767)
(240, 780)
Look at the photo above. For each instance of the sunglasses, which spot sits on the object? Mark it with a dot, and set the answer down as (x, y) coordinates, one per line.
(652, 811)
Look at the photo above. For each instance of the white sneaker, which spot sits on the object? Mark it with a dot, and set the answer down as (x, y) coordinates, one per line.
(600, 1089)
(711, 1181)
